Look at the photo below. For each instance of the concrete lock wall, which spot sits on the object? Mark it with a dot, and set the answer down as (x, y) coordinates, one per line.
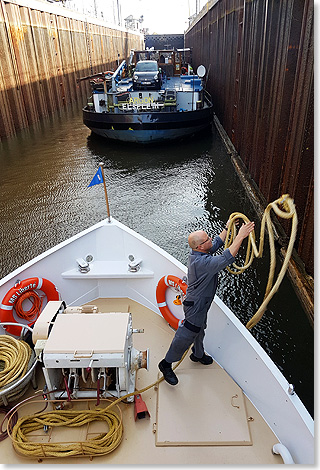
(44, 49)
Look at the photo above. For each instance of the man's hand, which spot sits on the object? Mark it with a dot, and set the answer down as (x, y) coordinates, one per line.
(242, 234)
(245, 230)
(236, 222)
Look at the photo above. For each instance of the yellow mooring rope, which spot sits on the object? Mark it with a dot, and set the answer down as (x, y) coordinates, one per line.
(283, 207)
(15, 360)
(100, 445)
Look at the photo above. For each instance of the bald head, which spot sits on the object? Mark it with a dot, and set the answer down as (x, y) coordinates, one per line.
(197, 237)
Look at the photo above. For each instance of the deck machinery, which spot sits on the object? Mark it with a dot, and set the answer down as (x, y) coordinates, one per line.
(86, 353)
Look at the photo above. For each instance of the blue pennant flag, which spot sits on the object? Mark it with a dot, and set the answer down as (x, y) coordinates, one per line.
(97, 179)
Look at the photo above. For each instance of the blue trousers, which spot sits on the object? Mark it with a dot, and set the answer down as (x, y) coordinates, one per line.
(181, 342)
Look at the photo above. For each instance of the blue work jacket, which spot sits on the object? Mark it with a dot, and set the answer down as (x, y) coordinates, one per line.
(203, 269)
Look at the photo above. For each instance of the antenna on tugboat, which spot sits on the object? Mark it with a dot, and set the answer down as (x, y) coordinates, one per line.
(105, 191)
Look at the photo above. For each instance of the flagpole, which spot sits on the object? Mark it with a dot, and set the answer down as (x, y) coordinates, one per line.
(105, 191)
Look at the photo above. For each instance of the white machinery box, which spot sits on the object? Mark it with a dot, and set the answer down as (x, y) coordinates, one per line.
(87, 340)
(86, 353)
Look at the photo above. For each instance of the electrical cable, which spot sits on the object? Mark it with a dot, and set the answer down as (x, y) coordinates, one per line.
(6, 411)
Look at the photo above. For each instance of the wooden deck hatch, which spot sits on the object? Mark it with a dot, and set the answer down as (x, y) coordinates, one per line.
(205, 408)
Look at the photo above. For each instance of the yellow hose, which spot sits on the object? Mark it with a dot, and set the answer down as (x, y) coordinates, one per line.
(288, 211)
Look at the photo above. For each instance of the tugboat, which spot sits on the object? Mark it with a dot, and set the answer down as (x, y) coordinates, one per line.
(154, 98)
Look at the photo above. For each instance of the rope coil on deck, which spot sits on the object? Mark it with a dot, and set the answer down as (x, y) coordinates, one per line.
(288, 211)
(16, 358)
(102, 444)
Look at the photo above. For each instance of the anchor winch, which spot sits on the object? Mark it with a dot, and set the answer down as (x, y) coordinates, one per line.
(86, 353)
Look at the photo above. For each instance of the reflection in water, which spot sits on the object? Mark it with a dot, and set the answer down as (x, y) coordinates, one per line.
(162, 192)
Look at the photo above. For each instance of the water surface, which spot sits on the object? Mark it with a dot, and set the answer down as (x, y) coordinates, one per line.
(162, 192)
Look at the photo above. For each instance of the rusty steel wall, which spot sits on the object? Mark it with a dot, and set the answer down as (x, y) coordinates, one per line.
(259, 54)
(42, 53)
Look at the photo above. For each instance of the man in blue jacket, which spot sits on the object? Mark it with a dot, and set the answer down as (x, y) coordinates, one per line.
(203, 269)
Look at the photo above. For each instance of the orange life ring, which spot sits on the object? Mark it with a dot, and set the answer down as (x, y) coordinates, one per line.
(13, 294)
(163, 284)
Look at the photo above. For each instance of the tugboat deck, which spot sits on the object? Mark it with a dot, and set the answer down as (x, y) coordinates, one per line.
(205, 419)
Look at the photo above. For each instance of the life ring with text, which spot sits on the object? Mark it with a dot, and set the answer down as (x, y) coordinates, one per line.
(163, 284)
(21, 291)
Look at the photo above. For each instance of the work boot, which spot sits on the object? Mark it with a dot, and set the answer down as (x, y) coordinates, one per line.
(205, 359)
(168, 374)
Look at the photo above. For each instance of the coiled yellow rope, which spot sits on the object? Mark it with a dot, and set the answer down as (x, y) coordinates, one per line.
(15, 361)
(283, 207)
(100, 445)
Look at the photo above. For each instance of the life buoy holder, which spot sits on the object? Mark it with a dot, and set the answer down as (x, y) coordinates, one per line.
(15, 293)
(162, 286)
